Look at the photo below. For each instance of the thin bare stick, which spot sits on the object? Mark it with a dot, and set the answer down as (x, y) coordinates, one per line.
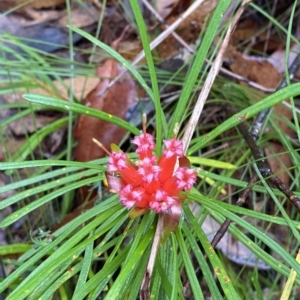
(144, 290)
(210, 79)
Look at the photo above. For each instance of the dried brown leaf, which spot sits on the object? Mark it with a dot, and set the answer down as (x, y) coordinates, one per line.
(188, 29)
(165, 7)
(115, 101)
(261, 72)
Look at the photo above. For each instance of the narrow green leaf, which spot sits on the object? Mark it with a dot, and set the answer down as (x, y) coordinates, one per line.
(45, 187)
(14, 249)
(197, 291)
(80, 109)
(161, 125)
(254, 214)
(108, 206)
(34, 205)
(211, 162)
(174, 270)
(66, 251)
(121, 282)
(102, 277)
(137, 281)
(86, 265)
(44, 163)
(75, 269)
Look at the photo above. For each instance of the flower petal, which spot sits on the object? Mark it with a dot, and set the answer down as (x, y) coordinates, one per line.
(171, 186)
(173, 147)
(167, 165)
(185, 178)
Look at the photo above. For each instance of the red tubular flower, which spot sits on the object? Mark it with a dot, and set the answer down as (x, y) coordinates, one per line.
(171, 186)
(151, 183)
(118, 162)
(167, 165)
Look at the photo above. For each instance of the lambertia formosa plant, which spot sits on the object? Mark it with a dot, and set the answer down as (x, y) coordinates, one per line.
(151, 183)
(101, 253)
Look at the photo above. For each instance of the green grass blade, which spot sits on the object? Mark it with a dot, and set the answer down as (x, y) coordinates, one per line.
(34, 205)
(86, 265)
(53, 163)
(219, 270)
(211, 162)
(14, 248)
(109, 206)
(161, 125)
(80, 109)
(45, 187)
(197, 292)
(62, 254)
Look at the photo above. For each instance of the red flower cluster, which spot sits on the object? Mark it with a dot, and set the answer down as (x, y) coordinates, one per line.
(151, 183)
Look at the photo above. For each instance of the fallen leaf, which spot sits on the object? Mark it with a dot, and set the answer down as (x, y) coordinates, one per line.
(165, 7)
(233, 249)
(254, 69)
(115, 101)
(52, 142)
(40, 16)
